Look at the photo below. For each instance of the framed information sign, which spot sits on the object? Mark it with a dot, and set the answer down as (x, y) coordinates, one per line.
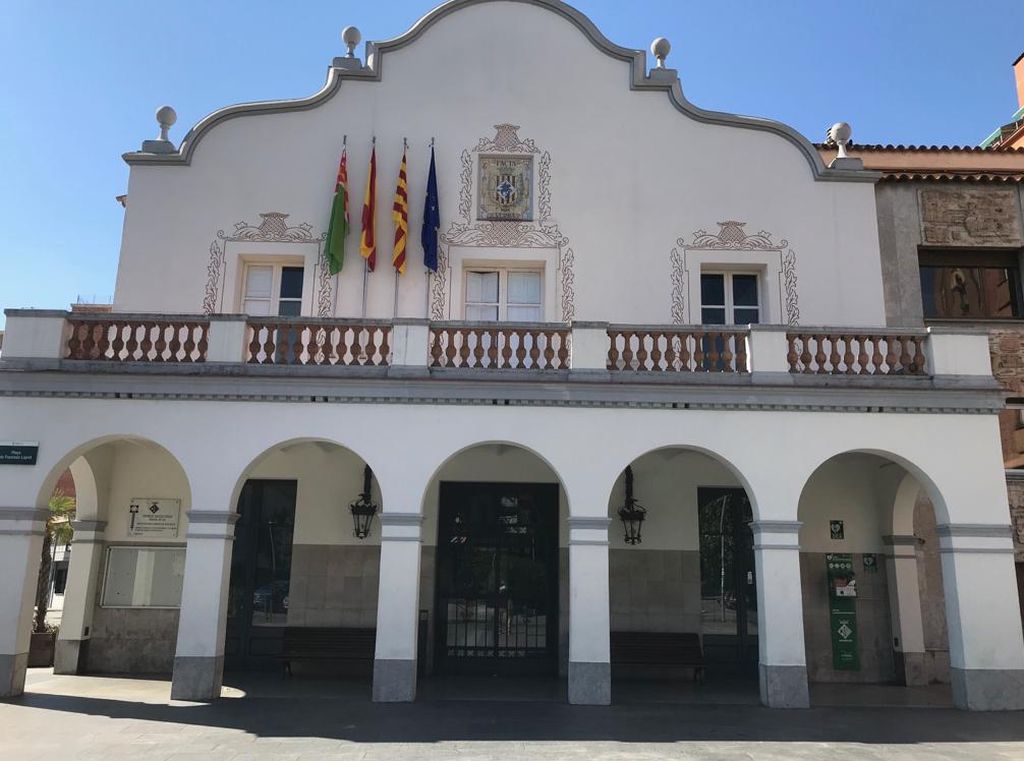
(154, 518)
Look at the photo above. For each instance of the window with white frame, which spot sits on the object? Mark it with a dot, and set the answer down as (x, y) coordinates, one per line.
(504, 295)
(730, 298)
(272, 289)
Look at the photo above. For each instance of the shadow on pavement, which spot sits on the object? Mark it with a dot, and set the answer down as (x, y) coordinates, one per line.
(350, 716)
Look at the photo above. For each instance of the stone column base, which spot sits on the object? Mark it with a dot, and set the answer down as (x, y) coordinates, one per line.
(394, 681)
(68, 656)
(12, 674)
(911, 668)
(197, 678)
(988, 689)
(590, 684)
(784, 686)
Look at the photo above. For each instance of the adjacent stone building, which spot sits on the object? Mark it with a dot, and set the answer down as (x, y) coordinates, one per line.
(951, 236)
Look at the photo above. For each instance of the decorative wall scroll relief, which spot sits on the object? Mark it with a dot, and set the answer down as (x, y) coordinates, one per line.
(471, 230)
(732, 237)
(971, 217)
(273, 228)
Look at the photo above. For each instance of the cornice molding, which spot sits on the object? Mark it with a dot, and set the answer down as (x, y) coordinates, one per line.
(543, 390)
(374, 71)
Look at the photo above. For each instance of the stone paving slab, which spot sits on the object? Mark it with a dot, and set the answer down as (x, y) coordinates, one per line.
(85, 718)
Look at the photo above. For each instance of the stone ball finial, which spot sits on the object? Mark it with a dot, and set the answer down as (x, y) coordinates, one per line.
(351, 37)
(840, 134)
(165, 117)
(661, 47)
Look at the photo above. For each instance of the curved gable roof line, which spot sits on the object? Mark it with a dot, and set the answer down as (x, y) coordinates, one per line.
(374, 68)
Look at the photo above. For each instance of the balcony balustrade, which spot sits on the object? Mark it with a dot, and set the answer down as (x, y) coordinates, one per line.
(642, 352)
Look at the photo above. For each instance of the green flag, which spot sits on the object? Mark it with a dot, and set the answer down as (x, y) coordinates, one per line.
(338, 228)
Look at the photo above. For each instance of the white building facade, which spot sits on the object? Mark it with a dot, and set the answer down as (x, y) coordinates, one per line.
(623, 293)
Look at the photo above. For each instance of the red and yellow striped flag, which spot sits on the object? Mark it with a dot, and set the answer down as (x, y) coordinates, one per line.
(400, 215)
(368, 238)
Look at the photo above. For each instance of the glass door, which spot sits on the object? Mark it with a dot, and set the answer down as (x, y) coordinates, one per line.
(497, 578)
(261, 564)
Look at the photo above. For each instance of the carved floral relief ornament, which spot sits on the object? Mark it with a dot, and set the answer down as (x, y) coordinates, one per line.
(731, 236)
(970, 217)
(273, 228)
(505, 214)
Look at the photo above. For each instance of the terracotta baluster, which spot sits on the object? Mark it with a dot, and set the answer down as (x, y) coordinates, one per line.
(848, 358)
(117, 341)
(613, 350)
(656, 353)
(534, 349)
(806, 357)
(385, 345)
(685, 353)
(448, 336)
(919, 365)
(549, 349)
(436, 351)
(190, 341)
(892, 353)
(253, 349)
(370, 349)
(563, 349)
(728, 358)
(174, 343)
(478, 347)
(628, 353)
(820, 358)
(741, 351)
(642, 355)
(835, 359)
(793, 357)
(270, 344)
(146, 344)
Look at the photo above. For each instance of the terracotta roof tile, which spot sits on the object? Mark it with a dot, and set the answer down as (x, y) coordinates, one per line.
(952, 177)
(933, 148)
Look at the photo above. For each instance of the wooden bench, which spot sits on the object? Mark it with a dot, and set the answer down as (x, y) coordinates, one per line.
(659, 649)
(321, 643)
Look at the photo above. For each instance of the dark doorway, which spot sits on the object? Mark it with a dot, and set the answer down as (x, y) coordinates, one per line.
(261, 568)
(727, 580)
(497, 578)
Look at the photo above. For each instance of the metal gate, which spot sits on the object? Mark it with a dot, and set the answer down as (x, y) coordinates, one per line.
(497, 578)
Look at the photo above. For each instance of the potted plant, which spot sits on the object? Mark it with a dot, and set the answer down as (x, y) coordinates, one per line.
(58, 531)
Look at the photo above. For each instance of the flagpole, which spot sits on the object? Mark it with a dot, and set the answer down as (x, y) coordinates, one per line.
(426, 270)
(337, 276)
(366, 262)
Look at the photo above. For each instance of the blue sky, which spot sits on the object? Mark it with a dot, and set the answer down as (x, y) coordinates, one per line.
(81, 82)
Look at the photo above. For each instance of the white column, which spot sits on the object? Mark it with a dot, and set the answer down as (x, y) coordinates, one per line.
(79, 597)
(199, 656)
(590, 677)
(986, 645)
(394, 663)
(905, 608)
(21, 542)
(780, 614)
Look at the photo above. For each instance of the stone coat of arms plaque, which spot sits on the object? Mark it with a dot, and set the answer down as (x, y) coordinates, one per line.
(505, 188)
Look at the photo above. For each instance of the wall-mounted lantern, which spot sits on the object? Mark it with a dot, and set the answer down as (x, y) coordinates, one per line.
(363, 509)
(632, 512)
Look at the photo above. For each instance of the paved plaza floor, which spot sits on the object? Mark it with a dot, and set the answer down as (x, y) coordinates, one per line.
(326, 720)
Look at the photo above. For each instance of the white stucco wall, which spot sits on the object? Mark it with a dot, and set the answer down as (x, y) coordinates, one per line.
(630, 174)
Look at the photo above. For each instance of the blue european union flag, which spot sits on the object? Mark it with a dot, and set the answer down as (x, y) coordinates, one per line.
(431, 219)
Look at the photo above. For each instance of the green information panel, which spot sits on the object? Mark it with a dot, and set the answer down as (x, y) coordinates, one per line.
(842, 591)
